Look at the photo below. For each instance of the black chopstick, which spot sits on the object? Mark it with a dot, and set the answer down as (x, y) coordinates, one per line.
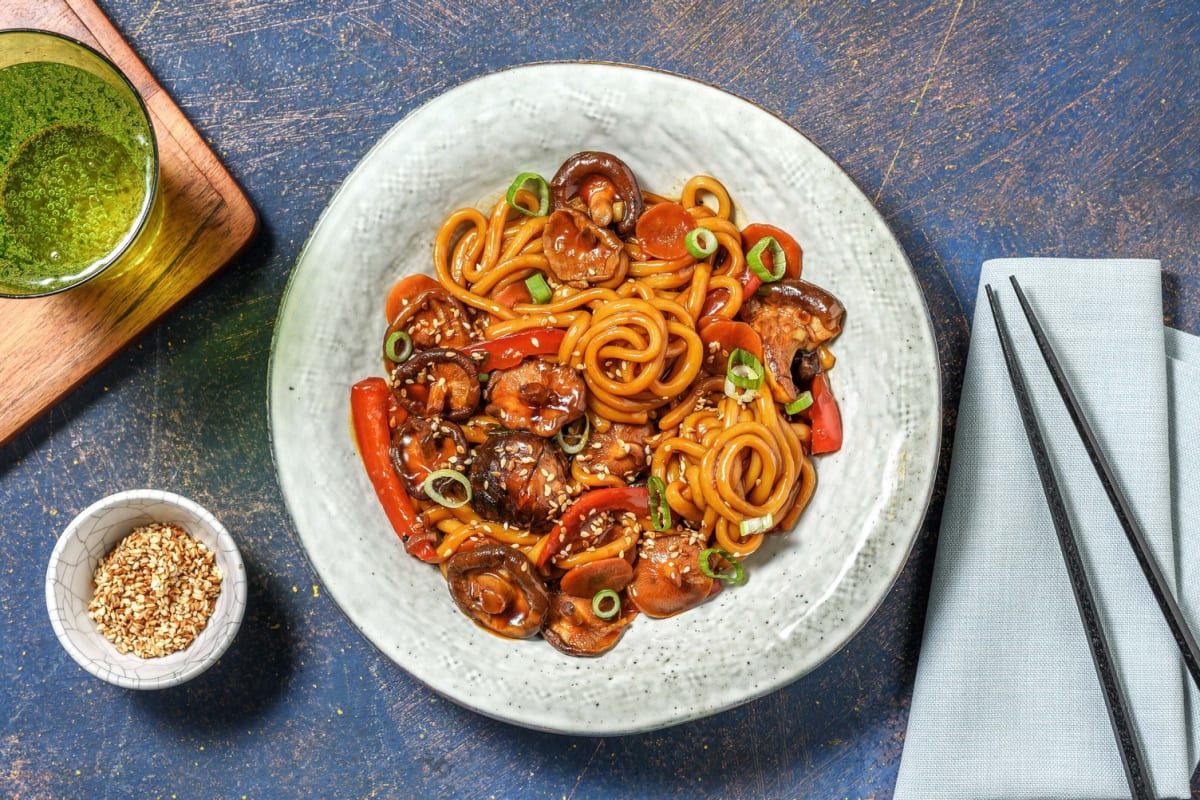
(1120, 503)
(1114, 698)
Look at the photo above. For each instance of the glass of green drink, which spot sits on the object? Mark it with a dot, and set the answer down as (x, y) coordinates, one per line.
(78, 163)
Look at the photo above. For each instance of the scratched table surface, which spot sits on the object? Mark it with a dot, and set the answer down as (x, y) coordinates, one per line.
(979, 129)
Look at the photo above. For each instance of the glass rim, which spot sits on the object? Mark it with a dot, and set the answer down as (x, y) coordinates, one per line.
(152, 190)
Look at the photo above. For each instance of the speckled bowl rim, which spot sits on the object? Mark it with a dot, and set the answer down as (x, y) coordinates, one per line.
(922, 467)
(234, 582)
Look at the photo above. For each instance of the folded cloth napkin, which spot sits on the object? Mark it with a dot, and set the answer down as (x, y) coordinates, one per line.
(1007, 705)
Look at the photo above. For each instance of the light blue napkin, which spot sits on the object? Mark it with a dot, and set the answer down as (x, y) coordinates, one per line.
(1006, 704)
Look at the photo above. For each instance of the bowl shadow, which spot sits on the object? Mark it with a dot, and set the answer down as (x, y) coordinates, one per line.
(246, 682)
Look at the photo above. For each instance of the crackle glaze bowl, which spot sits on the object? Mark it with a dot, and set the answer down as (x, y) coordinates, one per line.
(69, 588)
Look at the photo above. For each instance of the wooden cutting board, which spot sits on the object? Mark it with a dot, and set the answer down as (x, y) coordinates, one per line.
(50, 345)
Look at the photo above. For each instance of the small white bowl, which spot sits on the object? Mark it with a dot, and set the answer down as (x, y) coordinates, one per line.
(69, 588)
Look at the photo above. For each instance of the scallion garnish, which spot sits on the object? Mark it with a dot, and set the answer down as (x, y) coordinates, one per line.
(762, 524)
(744, 370)
(436, 494)
(539, 290)
(700, 242)
(540, 187)
(778, 260)
(572, 442)
(614, 606)
(741, 395)
(660, 511)
(398, 347)
(738, 575)
(802, 401)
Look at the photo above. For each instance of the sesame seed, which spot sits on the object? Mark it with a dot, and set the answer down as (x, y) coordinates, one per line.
(154, 592)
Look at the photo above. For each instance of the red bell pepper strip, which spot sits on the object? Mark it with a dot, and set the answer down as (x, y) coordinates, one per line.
(614, 498)
(508, 351)
(370, 402)
(791, 249)
(825, 416)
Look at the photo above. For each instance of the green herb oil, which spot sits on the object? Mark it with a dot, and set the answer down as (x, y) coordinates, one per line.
(78, 168)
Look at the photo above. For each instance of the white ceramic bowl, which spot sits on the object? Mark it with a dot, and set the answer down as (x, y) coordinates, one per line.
(808, 592)
(69, 588)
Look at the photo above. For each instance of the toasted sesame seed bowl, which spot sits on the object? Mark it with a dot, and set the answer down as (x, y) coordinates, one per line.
(170, 598)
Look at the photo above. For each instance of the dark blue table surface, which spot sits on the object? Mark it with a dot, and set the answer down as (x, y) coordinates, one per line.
(979, 129)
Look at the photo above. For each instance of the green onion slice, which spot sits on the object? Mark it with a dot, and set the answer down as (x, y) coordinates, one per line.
(539, 186)
(398, 347)
(762, 524)
(744, 370)
(700, 242)
(737, 576)
(778, 260)
(660, 511)
(741, 395)
(802, 401)
(598, 601)
(539, 290)
(436, 495)
(572, 442)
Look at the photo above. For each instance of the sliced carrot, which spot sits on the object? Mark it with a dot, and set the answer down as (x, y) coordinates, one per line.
(512, 294)
(728, 335)
(791, 249)
(663, 228)
(406, 288)
(606, 573)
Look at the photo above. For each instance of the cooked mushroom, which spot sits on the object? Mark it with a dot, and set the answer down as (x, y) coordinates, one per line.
(438, 383)
(421, 446)
(619, 450)
(791, 316)
(574, 628)
(667, 578)
(600, 179)
(579, 252)
(805, 366)
(536, 396)
(498, 587)
(519, 478)
(432, 318)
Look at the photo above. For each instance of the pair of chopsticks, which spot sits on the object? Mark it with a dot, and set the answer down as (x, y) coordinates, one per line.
(1114, 697)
